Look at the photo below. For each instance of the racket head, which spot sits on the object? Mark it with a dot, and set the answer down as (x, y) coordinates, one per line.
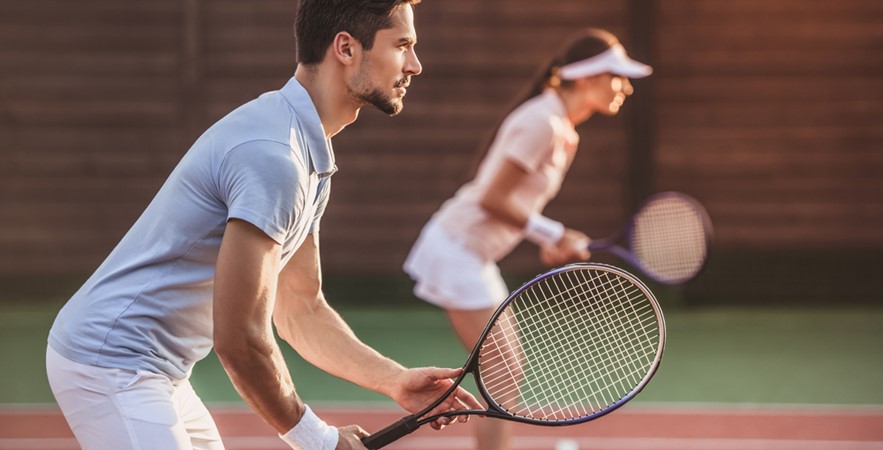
(669, 237)
(569, 346)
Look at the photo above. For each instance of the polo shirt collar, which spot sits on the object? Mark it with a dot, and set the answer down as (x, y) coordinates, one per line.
(321, 151)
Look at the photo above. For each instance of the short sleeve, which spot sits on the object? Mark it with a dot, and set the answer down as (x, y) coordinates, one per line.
(322, 201)
(258, 181)
(527, 143)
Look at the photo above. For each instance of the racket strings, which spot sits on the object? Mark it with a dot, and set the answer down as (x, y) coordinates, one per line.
(563, 359)
(570, 346)
(670, 238)
(614, 362)
(620, 348)
(556, 360)
(569, 360)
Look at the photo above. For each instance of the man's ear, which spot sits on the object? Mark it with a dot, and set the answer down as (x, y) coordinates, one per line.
(344, 47)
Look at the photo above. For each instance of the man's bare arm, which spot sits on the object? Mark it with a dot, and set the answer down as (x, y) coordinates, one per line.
(305, 320)
(245, 290)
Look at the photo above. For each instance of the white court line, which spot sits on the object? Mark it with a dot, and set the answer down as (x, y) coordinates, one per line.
(714, 409)
(633, 407)
(611, 443)
(39, 444)
(524, 442)
(519, 442)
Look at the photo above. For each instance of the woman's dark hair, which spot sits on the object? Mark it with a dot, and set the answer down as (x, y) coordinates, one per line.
(318, 21)
(585, 44)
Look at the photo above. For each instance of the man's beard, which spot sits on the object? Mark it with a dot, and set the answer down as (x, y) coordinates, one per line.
(384, 103)
(375, 97)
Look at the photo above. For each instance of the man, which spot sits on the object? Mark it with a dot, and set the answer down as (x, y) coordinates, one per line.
(228, 247)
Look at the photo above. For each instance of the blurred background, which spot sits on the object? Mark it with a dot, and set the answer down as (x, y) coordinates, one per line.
(770, 113)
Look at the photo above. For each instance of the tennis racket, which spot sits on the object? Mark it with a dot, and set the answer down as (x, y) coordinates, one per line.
(667, 238)
(569, 346)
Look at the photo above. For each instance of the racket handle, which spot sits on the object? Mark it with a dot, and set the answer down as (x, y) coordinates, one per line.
(600, 244)
(391, 433)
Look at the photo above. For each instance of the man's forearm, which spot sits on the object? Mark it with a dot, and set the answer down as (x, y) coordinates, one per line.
(245, 284)
(326, 341)
(259, 374)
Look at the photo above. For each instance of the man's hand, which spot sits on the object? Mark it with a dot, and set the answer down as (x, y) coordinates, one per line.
(415, 389)
(351, 438)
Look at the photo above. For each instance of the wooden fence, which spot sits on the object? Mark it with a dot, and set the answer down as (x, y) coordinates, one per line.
(769, 112)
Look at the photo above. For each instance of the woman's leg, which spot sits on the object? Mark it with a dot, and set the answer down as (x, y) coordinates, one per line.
(492, 434)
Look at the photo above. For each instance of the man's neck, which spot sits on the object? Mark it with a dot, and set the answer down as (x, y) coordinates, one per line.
(335, 106)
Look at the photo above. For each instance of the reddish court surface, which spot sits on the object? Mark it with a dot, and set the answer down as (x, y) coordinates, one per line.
(632, 428)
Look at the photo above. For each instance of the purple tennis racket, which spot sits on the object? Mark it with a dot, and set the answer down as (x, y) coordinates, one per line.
(569, 346)
(667, 238)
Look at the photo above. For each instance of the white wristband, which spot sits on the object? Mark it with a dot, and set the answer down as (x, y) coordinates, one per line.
(542, 230)
(311, 433)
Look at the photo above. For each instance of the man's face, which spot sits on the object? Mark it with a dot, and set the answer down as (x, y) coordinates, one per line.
(386, 70)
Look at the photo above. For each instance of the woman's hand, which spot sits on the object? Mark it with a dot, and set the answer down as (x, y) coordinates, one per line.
(572, 247)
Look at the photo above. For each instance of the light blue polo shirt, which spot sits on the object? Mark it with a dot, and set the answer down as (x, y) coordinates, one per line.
(149, 305)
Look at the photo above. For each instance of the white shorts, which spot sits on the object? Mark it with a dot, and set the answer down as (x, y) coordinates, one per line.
(117, 409)
(450, 276)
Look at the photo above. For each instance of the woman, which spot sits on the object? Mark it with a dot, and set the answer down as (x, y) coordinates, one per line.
(454, 261)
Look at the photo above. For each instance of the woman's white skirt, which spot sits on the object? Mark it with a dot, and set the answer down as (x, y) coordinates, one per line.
(449, 275)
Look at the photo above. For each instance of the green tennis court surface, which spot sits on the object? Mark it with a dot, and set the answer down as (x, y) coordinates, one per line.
(719, 355)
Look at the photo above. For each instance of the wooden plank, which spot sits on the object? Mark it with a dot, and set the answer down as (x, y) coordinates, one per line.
(768, 112)
(710, 88)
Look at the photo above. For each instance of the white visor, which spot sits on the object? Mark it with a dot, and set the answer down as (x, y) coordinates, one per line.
(613, 60)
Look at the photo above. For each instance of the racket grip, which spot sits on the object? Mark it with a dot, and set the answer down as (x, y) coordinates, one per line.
(391, 433)
(600, 244)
